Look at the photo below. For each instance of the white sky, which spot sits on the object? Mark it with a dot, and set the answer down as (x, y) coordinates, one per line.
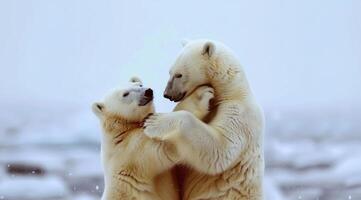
(296, 53)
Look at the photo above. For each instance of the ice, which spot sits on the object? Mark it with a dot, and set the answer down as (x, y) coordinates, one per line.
(349, 170)
(271, 190)
(304, 159)
(50, 161)
(84, 197)
(33, 188)
(86, 167)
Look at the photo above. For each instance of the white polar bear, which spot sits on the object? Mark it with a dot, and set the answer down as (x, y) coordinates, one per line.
(136, 166)
(225, 153)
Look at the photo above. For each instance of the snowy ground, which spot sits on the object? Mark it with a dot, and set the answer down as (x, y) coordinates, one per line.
(55, 155)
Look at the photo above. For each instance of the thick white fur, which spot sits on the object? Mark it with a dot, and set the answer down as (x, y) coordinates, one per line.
(226, 153)
(136, 166)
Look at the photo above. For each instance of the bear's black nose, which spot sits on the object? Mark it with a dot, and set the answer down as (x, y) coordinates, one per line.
(148, 93)
(166, 96)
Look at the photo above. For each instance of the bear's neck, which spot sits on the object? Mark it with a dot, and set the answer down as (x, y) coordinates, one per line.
(115, 130)
(113, 124)
(228, 79)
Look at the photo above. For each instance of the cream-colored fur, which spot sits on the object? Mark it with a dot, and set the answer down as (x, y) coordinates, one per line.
(225, 154)
(136, 166)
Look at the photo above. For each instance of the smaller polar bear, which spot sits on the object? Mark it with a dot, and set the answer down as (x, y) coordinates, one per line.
(136, 166)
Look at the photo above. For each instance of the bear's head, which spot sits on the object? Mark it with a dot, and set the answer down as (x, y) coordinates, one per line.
(132, 104)
(190, 69)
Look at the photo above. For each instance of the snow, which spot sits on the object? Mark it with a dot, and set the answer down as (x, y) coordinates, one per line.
(84, 197)
(304, 159)
(33, 188)
(50, 161)
(86, 167)
(314, 155)
(271, 190)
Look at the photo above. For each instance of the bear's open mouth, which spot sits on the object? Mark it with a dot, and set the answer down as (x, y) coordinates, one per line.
(146, 98)
(145, 101)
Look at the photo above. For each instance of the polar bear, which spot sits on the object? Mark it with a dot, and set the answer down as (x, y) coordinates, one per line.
(225, 153)
(136, 166)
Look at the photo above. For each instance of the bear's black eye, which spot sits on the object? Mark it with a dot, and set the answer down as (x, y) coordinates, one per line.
(178, 75)
(125, 94)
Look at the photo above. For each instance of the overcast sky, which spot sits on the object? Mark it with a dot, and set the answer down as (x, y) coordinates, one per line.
(295, 53)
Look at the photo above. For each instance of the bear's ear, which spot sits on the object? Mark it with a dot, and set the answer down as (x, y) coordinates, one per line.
(98, 109)
(208, 49)
(185, 42)
(135, 79)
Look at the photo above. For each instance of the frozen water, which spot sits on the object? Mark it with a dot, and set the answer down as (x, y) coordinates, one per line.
(84, 197)
(33, 188)
(303, 161)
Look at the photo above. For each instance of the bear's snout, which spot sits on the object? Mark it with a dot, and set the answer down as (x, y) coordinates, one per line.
(167, 96)
(148, 93)
(146, 97)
